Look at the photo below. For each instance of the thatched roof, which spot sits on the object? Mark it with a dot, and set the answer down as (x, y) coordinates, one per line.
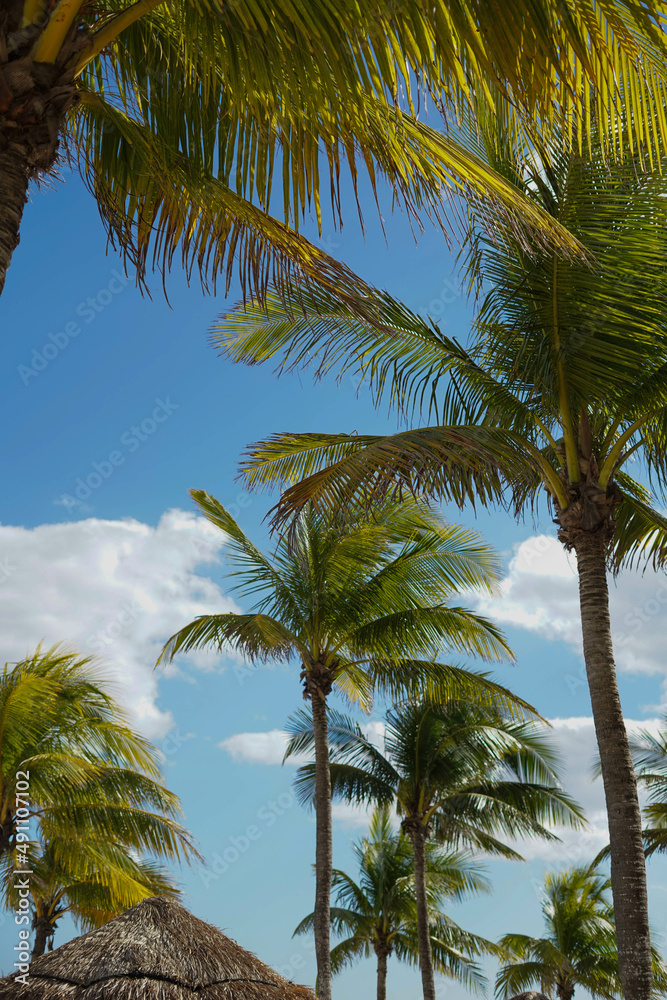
(155, 950)
(530, 995)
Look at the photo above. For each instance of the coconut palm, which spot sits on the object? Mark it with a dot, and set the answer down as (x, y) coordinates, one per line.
(461, 773)
(93, 879)
(378, 911)
(579, 949)
(563, 386)
(177, 113)
(71, 767)
(359, 603)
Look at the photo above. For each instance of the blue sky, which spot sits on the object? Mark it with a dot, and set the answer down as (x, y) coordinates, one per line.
(129, 397)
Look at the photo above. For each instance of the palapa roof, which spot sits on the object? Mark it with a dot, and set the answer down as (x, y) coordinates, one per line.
(155, 950)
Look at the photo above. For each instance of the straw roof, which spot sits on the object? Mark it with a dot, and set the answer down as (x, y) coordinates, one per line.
(530, 995)
(155, 950)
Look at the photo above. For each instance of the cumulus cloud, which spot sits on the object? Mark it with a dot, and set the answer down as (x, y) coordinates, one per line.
(115, 589)
(258, 748)
(540, 593)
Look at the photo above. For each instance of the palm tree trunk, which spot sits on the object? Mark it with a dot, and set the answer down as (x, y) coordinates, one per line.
(14, 178)
(324, 846)
(565, 990)
(42, 931)
(628, 871)
(418, 835)
(382, 975)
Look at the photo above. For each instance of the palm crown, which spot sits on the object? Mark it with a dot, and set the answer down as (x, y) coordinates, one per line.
(358, 601)
(456, 771)
(562, 386)
(87, 768)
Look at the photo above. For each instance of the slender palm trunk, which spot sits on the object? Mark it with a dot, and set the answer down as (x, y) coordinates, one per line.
(42, 931)
(6, 835)
(418, 836)
(565, 990)
(382, 975)
(14, 178)
(324, 846)
(628, 871)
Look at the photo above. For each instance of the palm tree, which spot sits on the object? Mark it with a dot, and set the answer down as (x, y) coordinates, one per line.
(360, 603)
(378, 911)
(177, 113)
(92, 879)
(71, 767)
(456, 771)
(579, 949)
(563, 386)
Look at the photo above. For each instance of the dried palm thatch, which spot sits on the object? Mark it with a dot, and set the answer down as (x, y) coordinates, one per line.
(530, 995)
(155, 950)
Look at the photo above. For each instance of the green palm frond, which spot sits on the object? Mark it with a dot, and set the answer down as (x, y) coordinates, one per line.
(346, 952)
(640, 537)
(456, 464)
(360, 591)
(101, 818)
(189, 171)
(428, 680)
(400, 356)
(258, 637)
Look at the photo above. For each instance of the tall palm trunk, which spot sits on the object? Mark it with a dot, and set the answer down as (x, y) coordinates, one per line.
(565, 989)
(628, 871)
(418, 836)
(43, 930)
(14, 179)
(324, 846)
(34, 99)
(382, 974)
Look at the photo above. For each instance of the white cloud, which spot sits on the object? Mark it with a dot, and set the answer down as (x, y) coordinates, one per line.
(540, 593)
(258, 748)
(351, 816)
(116, 589)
